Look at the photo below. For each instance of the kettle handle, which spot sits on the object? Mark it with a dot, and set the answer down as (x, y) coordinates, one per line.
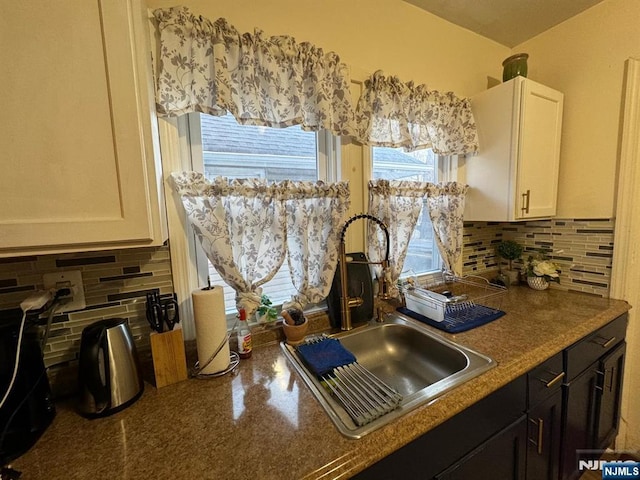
(90, 368)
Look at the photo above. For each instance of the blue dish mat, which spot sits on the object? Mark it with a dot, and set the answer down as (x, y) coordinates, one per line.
(323, 356)
(458, 321)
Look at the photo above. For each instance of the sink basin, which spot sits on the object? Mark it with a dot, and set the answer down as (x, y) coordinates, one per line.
(405, 355)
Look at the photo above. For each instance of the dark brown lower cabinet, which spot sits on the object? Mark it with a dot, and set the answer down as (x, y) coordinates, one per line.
(592, 410)
(489, 428)
(609, 396)
(543, 440)
(503, 456)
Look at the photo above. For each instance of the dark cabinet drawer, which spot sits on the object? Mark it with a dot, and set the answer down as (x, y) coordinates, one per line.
(545, 379)
(586, 351)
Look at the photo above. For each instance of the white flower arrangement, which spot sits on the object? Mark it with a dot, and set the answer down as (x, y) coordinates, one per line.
(539, 266)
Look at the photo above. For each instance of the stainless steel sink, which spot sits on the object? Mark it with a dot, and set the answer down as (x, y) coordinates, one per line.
(405, 355)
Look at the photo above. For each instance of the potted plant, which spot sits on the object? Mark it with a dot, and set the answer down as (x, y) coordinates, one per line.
(510, 250)
(294, 325)
(540, 271)
(266, 312)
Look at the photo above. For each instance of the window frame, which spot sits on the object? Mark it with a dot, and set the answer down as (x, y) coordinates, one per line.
(447, 171)
(188, 262)
(185, 142)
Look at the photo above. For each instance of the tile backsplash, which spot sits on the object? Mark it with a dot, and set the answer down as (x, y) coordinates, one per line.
(583, 248)
(115, 283)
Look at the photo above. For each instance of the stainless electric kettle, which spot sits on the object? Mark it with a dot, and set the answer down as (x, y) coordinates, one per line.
(109, 370)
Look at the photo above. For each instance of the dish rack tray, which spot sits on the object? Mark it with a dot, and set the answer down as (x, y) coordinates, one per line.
(362, 394)
(455, 300)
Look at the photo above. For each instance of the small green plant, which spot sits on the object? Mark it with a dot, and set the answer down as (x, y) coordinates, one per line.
(267, 310)
(510, 251)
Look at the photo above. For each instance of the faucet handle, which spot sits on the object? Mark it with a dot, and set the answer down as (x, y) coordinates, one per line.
(384, 285)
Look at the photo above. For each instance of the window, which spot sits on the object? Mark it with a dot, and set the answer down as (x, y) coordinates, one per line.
(220, 146)
(421, 165)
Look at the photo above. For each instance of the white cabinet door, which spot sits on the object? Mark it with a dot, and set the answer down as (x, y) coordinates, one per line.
(538, 157)
(78, 167)
(514, 176)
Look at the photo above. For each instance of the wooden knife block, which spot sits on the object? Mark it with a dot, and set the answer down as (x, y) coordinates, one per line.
(169, 359)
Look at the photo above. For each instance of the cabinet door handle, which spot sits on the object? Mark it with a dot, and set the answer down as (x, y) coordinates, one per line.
(525, 201)
(554, 380)
(603, 376)
(610, 385)
(540, 424)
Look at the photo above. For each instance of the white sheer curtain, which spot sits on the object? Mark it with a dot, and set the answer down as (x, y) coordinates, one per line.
(314, 214)
(398, 204)
(247, 227)
(240, 225)
(446, 209)
(391, 113)
(210, 67)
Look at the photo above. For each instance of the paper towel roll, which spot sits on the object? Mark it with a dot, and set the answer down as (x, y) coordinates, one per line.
(211, 328)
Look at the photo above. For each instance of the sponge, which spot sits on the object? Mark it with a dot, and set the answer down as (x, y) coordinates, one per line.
(323, 356)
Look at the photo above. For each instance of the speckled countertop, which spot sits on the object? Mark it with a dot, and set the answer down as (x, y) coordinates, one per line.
(263, 423)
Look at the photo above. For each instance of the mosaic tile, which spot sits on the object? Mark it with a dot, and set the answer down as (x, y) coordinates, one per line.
(112, 280)
(583, 248)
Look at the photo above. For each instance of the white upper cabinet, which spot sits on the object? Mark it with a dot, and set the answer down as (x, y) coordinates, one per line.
(80, 167)
(515, 174)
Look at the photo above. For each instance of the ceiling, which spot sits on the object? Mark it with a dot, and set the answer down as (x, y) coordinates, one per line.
(509, 22)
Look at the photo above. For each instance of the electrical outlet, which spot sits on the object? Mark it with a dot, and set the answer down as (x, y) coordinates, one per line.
(71, 280)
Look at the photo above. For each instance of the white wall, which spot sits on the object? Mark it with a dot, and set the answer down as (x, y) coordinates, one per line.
(584, 58)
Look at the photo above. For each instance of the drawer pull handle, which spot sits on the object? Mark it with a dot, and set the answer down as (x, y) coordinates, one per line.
(606, 343)
(554, 380)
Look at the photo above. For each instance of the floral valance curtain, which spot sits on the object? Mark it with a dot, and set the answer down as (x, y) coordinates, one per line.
(391, 113)
(210, 67)
(446, 208)
(247, 227)
(398, 204)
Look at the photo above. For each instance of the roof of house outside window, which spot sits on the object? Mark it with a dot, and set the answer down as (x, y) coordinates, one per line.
(232, 149)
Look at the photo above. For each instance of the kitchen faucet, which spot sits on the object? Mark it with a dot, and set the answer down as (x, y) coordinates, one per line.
(347, 302)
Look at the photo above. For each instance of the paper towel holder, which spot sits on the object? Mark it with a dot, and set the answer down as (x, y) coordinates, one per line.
(234, 358)
(234, 361)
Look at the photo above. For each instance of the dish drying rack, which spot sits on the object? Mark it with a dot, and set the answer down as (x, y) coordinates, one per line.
(362, 394)
(456, 300)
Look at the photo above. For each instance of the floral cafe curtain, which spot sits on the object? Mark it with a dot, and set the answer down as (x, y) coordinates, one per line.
(398, 204)
(247, 227)
(240, 225)
(314, 214)
(391, 113)
(446, 207)
(210, 67)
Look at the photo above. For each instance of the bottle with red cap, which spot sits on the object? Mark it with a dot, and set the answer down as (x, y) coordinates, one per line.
(244, 335)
